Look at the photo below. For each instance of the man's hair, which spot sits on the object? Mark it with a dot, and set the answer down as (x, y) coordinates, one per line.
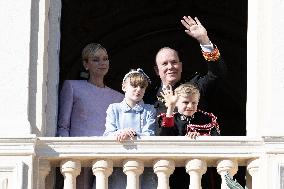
(165, 48)
(90, 50)
(187, 89)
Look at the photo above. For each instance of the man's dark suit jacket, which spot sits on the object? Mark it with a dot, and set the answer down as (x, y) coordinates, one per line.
(205, 83)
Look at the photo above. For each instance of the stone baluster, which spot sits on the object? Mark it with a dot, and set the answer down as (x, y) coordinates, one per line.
(44, 169)
(224, 166)
(253, 169)
(102, 169)
(4, 183)
(195, 168)
(133, 169)
(70, 170)
(163, 169)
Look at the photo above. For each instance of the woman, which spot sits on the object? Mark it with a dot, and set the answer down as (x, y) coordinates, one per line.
(83, 103)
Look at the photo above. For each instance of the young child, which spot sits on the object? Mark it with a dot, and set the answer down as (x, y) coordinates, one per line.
(188, 120)
(131, 117)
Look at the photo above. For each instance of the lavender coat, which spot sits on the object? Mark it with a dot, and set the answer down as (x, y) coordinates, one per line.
(82, 108)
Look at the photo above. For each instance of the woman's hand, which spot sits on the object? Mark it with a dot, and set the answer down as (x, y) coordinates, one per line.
(195, 29)
(125, 134)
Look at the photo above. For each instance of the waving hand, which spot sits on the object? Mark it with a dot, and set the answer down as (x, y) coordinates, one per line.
(195, 29)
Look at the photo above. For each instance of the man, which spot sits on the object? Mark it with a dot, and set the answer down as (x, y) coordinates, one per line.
(169, 68)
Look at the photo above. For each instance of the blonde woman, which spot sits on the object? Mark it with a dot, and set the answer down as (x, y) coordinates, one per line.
(83, 104)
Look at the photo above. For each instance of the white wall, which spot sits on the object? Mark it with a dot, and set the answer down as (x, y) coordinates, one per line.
(14, 67)
(276, 24)
(265, 103)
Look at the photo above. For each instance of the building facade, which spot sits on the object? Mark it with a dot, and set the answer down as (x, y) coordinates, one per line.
(30, 45)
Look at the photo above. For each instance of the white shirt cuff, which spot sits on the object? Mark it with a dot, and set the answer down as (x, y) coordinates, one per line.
(207, 48)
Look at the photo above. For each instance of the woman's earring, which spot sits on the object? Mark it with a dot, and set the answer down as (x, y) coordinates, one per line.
(85, 74)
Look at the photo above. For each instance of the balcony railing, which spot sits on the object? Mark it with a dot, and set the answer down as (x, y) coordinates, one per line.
(163, 154)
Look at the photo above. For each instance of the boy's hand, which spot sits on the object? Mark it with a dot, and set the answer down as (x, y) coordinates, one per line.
(192, 135)
(125, 134)
(169, 96)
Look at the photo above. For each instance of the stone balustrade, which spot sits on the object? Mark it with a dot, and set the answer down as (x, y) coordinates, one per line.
(70, 168)
(163, 154)
(30, 162)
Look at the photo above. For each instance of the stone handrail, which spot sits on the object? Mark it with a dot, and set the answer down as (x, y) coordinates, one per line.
(180, 148)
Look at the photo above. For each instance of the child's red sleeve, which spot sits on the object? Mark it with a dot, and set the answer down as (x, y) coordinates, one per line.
(167, 121)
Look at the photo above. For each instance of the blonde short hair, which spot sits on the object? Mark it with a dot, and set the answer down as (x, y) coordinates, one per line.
(90, 50)
(187, 90)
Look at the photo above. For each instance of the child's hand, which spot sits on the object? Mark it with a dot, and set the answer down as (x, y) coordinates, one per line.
(169, 96)
(126, 133)
(192, 135)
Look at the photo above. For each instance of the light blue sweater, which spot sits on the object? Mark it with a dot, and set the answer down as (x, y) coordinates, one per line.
(120, 116)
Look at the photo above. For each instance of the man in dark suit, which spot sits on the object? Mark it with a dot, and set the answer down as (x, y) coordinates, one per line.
(169, 68)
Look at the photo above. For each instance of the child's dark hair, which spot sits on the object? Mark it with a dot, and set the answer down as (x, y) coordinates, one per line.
(137, 78)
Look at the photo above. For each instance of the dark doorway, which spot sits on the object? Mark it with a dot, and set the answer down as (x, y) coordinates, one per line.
(133, 31)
